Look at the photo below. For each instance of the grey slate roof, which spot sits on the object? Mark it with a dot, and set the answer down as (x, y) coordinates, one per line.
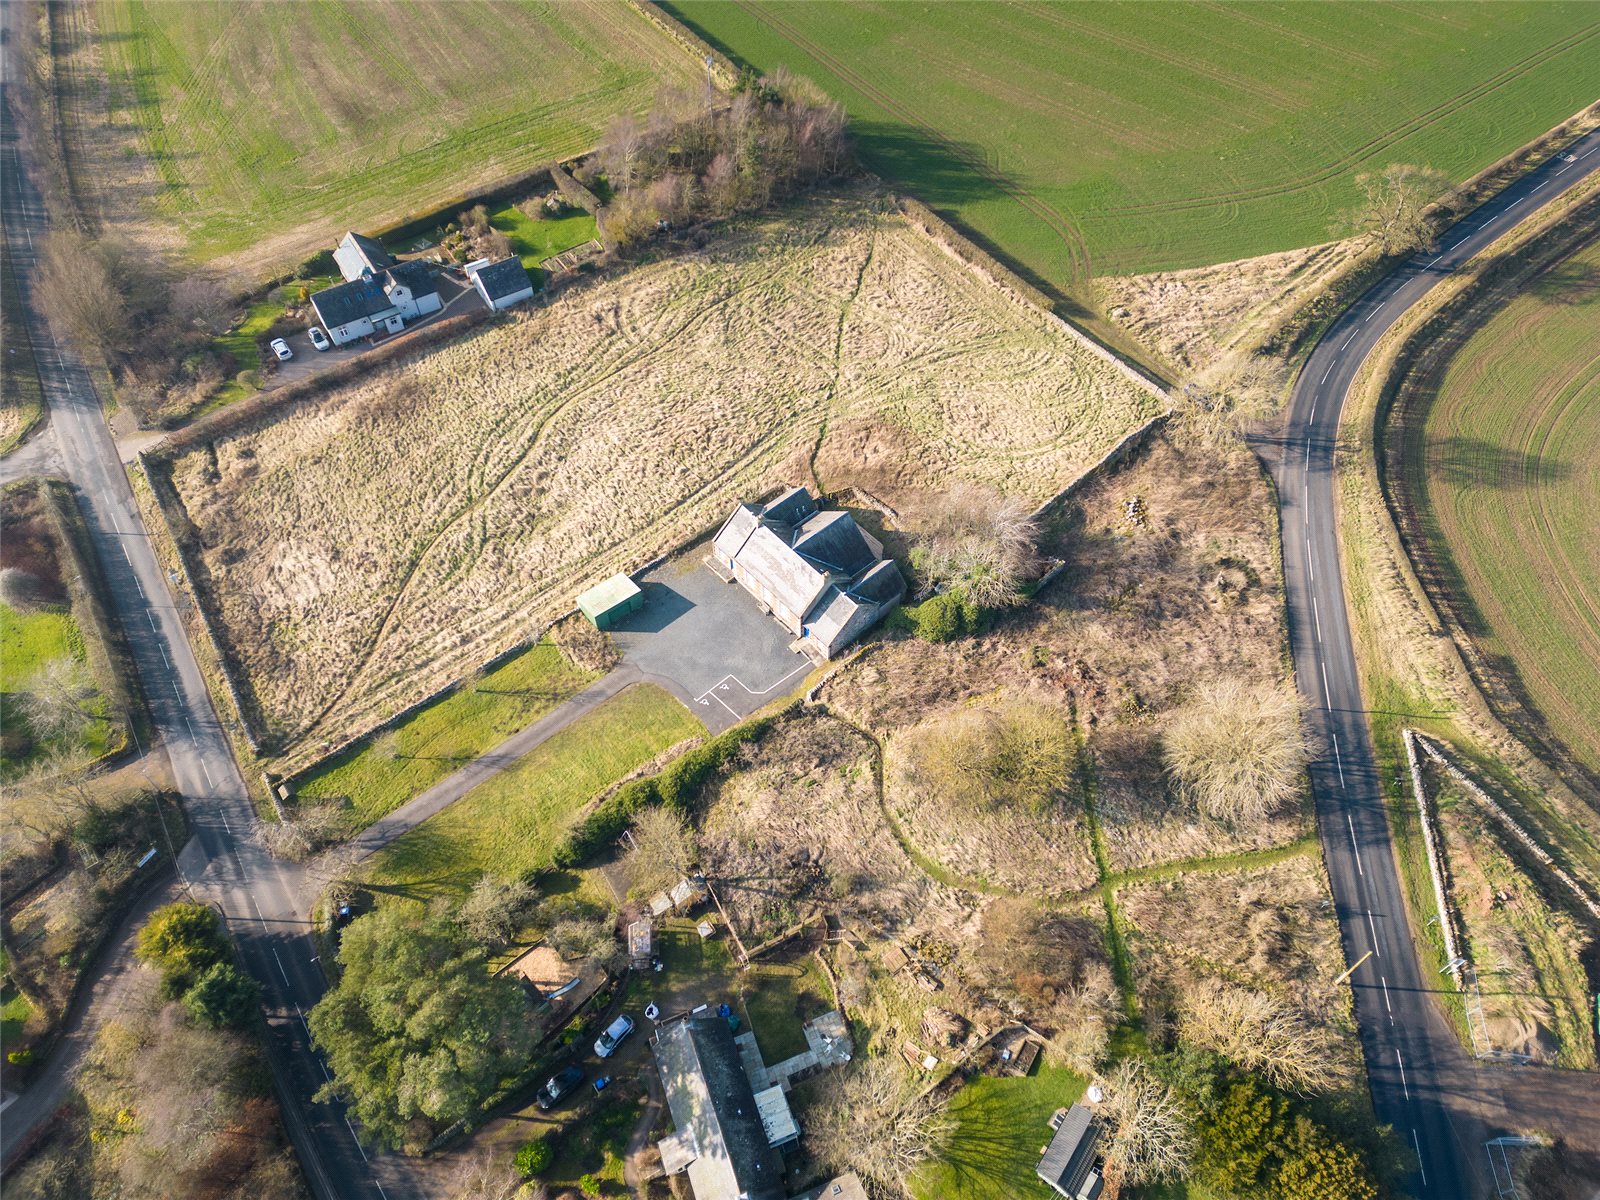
(792, 507)
(735, 531)
(504, 278)
(368, 250)
(1070, 1155)
(711, 1100)
(415, 276)
(789, 581)
(833, 540)
(882, 584)
(347, 302)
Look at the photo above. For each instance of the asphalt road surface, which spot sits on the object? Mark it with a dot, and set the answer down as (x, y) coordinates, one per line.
(225, 862)
(1418, 1072)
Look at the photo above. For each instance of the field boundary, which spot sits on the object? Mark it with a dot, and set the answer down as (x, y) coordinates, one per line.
(1408, 397)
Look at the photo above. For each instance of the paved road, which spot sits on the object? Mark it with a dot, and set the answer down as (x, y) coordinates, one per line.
(225, 863)
(1420, 1076)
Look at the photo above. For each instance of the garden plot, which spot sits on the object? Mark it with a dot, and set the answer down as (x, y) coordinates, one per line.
(362, 550)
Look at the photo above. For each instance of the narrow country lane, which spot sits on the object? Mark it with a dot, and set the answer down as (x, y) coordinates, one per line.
(1422, 1080)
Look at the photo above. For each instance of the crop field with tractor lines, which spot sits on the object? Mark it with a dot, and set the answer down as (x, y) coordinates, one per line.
(409, 526)
(1103, 139)
(1506, 476)
(261, 131)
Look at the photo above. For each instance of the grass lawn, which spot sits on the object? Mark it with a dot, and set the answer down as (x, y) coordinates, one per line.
(534, 241)
(266, 130)
(446, 735)
(1100, 139)
(778, 999)
(511, 823)
(14, 1010)
(1001, 1127)
(29, 640)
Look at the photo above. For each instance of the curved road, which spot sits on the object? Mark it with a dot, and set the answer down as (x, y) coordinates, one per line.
(225, 862)
(1419, 1074)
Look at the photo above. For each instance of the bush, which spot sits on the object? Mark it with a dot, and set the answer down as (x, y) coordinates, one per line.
(223, 997)
(944, 617)
(674, 787)
(182, 941)
(534, 1157)
(21, 1058)
(1017, 755)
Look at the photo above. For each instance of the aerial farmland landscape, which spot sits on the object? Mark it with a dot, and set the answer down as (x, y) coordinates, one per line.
(728, 600)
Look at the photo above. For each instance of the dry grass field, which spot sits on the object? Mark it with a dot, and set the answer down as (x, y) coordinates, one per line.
(366, 548)
(252, 134)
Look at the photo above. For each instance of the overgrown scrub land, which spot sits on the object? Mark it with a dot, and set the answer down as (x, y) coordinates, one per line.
(1115, 140)
(53, 666)
(260, 131)
(1505, 468)
(164, 1106)
(1526, 951)
(21, 396)
(364, 549)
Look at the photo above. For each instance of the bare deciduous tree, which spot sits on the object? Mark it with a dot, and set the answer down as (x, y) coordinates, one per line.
(1236, 750)
(872, 1122)
(1229, 393)
(1153, 1136)
(485, 1175)
(495, 908)
(663, 850)
(306, 830)
(79, 293)
(1398, 209)
(1262, 1034)
(54, 699)
(981, 543)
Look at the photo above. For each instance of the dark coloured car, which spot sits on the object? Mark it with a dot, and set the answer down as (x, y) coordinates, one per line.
(559, 1086)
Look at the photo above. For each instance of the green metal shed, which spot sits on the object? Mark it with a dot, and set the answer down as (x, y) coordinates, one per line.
(607, 603)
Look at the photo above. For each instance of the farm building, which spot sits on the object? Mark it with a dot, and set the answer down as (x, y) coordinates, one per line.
(501, 284)
(1071, 1163)
(383, 301)
(721, 1140)
(358, 256)
(818, 572)
(607, 603)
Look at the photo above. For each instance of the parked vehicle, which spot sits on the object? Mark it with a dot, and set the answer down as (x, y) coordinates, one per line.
(559, 1086)
(281, 349)
(608, 1042)
(319, 340)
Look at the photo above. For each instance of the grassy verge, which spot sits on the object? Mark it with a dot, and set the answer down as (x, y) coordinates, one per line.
(1001, 1124)
(534, 241)
(511, 824)
(21, 393)
(380, 773)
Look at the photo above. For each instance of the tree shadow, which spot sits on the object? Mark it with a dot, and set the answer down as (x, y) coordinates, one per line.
(1464, 461)
(1568, 284)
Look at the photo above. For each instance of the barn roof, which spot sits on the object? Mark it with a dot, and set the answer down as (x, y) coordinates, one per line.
(712, 1102)
(347, 302)
(504, 278)
(790, 579)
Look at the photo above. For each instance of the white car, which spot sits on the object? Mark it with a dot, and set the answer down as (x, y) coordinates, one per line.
(319, 340)
(281, 349)
(608, 1042)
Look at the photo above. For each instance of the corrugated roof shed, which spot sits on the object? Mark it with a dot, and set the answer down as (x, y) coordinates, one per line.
(613, 598)
(1070, 1156)
(357, 253)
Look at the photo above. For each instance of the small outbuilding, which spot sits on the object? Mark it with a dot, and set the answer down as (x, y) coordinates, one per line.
(1071, 1163)
(501, 284)
(607, 603)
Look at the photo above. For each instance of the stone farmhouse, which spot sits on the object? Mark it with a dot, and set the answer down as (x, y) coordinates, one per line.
(820, 574)
(378, 295)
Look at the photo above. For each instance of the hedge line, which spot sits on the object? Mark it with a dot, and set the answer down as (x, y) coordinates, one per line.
(673, 788)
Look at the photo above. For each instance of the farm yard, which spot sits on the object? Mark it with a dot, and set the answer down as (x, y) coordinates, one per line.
(1084, 141)
(258, 132)
(1504, 467)
(363, 550)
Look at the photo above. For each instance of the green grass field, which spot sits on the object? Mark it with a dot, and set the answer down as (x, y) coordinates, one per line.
(272, 128)
(446, 735)
(1507, 481)
(29, 640)
(1100, 139)
(1001, 1126)
(511, 824)
(535, 241)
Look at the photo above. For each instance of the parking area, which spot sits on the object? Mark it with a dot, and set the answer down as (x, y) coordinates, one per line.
(455, 294)
(709, 644)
